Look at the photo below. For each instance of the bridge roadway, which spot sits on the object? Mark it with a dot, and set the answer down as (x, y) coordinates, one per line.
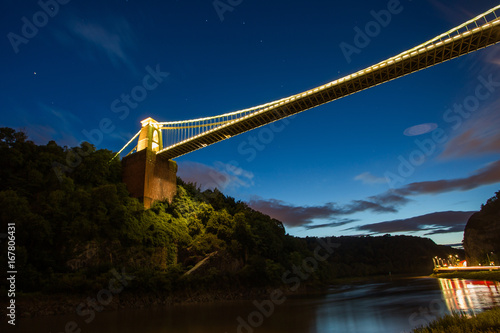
(408, 62)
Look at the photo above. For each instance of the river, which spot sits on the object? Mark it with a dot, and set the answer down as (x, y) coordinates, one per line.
(372, 307)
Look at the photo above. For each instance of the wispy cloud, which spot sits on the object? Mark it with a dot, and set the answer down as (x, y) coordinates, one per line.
(374, 205)
(420, 129)
(42, 134)
(295, 216)
(453, 14)
(434, 223)
(62, 128)
(386, 202)
(114, 40)
(368, 178)
(336, 223)
(480, 135)
(221, 175)
(490, 174)
(65, 117)
(390, 198)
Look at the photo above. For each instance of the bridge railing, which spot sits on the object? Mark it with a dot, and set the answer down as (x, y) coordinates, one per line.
(180, 137)
(482, 20)
(177, 132)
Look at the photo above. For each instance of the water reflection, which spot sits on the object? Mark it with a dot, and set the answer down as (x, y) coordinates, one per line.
(371, 307)
(470, 296)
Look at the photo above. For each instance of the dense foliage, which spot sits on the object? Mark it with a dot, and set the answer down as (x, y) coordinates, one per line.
(75, 223)
(482, 234)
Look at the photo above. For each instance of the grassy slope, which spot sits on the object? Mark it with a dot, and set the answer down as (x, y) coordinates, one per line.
(485, 322)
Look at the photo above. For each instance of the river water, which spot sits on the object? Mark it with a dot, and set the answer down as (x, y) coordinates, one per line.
(372, 307)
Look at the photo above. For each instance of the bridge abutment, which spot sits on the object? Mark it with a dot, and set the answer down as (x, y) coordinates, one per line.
(150, 177)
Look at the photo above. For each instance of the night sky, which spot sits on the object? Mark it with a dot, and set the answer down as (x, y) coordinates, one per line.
(415, 156)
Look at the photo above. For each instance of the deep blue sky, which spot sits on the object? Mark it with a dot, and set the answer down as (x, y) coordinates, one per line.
(325, 172)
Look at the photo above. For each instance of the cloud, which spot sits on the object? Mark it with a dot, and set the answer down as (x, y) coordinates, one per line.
(295, 216)
(221, 175)
(368, 178)
(435, 223)
(329, 225)
(457, 245)
(420, 129)
(390, 198)
(64, 117)
(492, 59)
(387, 202)
(490, 174)
(479, 136)
(455, 228)
(291, 215)
(63, 126)
(115, 40)
(42, 134)
(363, 205)
(122, 136)
(453, 14)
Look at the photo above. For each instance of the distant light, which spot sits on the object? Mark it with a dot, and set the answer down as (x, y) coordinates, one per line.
(420, 129)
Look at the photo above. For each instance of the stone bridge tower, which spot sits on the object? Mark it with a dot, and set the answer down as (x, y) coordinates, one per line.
(148, 176)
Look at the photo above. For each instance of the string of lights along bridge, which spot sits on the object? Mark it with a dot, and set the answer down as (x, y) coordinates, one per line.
(150, 172)
(176, 138)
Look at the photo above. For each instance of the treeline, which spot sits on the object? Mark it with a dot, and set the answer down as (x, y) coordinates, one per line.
(75, 223)
(482, 234)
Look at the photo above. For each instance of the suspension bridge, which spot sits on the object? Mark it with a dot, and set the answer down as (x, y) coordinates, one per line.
(150, 173)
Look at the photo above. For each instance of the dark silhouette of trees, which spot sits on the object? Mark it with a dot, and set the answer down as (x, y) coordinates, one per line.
(75, 221)
(482, 234)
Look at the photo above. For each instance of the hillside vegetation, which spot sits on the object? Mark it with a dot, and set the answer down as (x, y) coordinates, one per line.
(482, 234)
(485, 322)
(75, 223)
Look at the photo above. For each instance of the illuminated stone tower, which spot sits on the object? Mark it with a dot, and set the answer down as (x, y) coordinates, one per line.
(148, 176)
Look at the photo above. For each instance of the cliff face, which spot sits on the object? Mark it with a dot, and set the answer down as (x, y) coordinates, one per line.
(482, 234)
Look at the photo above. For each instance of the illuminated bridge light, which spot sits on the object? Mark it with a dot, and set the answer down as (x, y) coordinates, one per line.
(184, 132)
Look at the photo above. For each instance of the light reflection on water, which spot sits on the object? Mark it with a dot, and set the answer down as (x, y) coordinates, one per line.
(390, 306)
(470, 296)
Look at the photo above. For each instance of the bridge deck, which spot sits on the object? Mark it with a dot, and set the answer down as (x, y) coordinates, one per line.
(427, 56)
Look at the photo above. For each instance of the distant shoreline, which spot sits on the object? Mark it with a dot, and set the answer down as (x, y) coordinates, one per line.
(485, 275)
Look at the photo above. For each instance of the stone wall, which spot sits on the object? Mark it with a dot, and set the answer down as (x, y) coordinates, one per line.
(150, 177)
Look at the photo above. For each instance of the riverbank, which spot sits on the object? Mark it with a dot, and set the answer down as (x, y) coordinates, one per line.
(485, 322)
(39, 304)
(493, 276)
(374, 278)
